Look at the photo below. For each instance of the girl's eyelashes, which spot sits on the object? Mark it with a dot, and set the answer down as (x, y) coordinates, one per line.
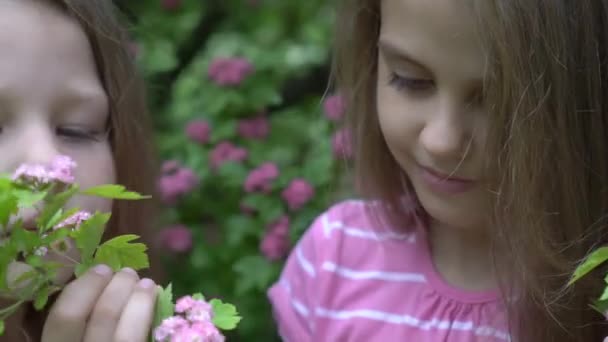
(79, 134)
(409, 83)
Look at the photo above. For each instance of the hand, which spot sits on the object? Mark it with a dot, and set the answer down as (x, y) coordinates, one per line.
(102, 306)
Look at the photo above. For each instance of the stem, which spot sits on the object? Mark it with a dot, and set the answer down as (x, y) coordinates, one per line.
(67, 257)
(6, 312)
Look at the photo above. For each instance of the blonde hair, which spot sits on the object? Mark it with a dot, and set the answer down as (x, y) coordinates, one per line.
(129, 127)
(546, 90)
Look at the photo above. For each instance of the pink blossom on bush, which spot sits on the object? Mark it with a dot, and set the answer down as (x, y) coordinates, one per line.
(198, 131)
(195, 309)
(229, 71)
(298, 193)
(256, 128)
(176, 239)
(334, 107)
(260, 179)
(174, 185)
(342, 144)
(193, 322)
(170, 5)
(280, 226)
(226, 152)
(275, 244)
(184, 304)
(274, 247)
(205, 331)
(60, 169)
(169, 166)
(74, 221)
(169, 327)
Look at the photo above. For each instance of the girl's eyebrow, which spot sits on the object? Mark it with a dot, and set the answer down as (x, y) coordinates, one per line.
(84, 96)
(394, 50)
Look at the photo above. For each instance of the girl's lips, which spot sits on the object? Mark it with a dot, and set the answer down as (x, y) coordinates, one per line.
(443, 183)
(446, 176)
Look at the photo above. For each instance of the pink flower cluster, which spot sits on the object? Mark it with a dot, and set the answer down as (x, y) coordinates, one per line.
(334, 108)
(226, 152)
(176, 239)
(298, 193)
(261, 178)
(342, 144)
(191, 324)
(229, 71)
(74, 221)
(255, 128)
(275, 244)
(61, 169)
(176, 181)
(198, 131)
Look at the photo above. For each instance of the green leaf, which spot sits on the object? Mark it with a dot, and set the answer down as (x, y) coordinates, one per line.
(237, 228)
(8, 205)
(113, 191)
(198, 296)
(1, 328)
(54, 205)
(87, 238)
(8, 253)
(595, 259)
(604, 294)
(34, 261)
(164, 305)
(253, 272)
(27, 198)
(42, 297)
(600, 306)
(119, 252)
(223, 130)
(225, 316)
(24, 240)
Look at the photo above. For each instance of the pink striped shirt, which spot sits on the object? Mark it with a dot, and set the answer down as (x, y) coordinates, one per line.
(350, 280)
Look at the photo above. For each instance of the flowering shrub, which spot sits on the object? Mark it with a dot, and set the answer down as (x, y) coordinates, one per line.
(245, 124)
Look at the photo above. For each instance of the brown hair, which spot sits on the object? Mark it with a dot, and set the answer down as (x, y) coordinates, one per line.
(546, 91)
(129, 127)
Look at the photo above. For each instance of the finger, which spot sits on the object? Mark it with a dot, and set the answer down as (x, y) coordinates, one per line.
(107, 311)
(136, 319)
(68, 316)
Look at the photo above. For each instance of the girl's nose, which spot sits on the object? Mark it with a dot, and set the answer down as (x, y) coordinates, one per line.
(445, 135)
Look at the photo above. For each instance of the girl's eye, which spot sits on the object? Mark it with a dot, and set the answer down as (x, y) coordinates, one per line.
(78, 134)
(410, 84)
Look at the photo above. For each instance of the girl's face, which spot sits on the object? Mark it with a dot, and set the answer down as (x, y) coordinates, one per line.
(51, 99)
(430, 71)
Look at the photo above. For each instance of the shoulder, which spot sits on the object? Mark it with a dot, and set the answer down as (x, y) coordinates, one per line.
(355, 223)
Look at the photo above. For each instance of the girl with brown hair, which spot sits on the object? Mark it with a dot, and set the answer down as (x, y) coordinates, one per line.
(480, 132)
(69, 87)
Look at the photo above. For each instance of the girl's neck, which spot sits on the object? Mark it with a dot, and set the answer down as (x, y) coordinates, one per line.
(462, 257)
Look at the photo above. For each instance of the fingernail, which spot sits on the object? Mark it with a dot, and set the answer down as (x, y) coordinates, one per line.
(129, 270)
(103, 270)
(146, 283)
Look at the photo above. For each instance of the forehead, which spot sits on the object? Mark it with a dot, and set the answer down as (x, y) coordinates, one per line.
(439, 33)
(42, 48)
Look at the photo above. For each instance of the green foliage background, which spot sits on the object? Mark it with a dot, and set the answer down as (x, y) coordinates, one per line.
(288, 44)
